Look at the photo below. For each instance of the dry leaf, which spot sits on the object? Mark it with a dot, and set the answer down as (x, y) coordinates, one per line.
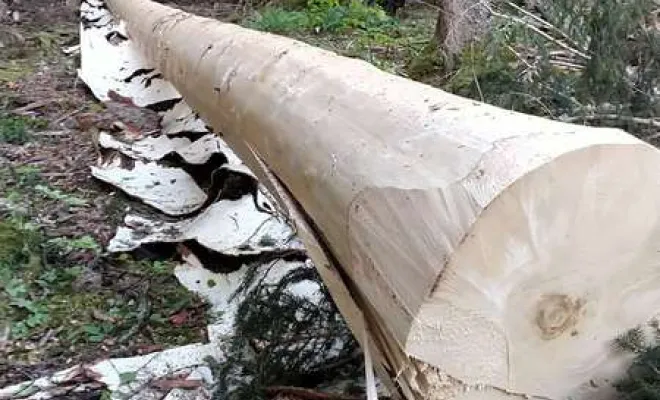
(179, 318)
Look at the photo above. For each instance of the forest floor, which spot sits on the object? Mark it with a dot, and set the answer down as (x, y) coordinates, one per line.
(63, 300)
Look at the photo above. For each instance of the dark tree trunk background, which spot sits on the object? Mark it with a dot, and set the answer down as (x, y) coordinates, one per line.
(459, 23)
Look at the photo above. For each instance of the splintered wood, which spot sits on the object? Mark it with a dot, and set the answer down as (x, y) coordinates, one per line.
(488, 254)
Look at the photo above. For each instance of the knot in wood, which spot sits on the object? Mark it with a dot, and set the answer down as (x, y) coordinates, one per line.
(557, 313)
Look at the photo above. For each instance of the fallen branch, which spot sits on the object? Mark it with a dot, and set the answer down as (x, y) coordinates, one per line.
(542, 21)
(68, 115)
(539, 32)
(32, 106)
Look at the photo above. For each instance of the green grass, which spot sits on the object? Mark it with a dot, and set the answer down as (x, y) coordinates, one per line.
(352, 29)
(322, 16)
(278, 20)
(28, 175)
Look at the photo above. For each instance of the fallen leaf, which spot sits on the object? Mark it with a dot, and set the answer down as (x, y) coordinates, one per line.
(179, 318)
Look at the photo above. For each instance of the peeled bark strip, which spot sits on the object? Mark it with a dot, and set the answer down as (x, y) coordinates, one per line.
(485, 249)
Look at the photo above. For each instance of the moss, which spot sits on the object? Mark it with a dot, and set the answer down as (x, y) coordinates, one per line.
(72, 310)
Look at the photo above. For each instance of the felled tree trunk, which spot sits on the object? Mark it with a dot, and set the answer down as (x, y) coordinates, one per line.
(486, 254)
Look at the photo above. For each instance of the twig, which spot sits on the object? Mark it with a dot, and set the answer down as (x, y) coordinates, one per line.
(144, 311)
(55, 175)
(541, 20)
(476, 81)
(246, 242)
(567, 65)
(53, 133)
(356, 355)
(519, 56)
(429, 5)
(307, 394)
(49, 335)
(31, 106)
(539, 32)
(536, 100)
(69, 114)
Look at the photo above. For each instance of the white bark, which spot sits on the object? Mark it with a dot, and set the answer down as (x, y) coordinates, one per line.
(484, 249)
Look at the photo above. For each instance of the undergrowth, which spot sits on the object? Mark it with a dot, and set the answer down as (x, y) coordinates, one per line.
(576, 60)
(642, 378)
(16, 129)
(48, 296)
(350, 28)
(283, 338)
(327, 16)
(24, 281)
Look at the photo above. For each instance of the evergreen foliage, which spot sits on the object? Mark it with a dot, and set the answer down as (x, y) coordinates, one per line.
(284, 337)
(642, 380)
(577, 60)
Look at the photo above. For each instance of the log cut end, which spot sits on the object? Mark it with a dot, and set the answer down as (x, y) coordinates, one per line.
(561, 263)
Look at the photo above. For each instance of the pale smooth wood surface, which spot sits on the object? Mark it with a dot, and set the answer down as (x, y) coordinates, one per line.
(504, 250)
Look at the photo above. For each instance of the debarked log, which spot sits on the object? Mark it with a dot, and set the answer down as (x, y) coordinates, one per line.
(490, 254)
